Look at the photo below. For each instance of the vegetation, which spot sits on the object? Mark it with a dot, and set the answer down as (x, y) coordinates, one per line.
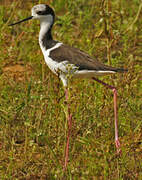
(32, 108)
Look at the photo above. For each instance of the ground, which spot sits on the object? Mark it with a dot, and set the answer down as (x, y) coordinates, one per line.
(32, 106)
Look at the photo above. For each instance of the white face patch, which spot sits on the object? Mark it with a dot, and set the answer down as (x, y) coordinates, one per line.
(40, 12)
(39, 7)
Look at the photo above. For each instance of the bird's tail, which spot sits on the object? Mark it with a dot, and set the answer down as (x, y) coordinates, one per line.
(120, 70)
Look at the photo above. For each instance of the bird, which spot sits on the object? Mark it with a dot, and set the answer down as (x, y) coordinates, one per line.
(64, 61)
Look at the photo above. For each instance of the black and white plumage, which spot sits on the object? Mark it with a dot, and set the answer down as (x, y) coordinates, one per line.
(62, 58)
(59, 56)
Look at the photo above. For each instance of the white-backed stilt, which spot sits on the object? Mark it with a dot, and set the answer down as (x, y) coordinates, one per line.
(63, 59)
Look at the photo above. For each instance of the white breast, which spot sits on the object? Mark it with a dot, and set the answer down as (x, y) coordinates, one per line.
(55, 66)
(52, 64)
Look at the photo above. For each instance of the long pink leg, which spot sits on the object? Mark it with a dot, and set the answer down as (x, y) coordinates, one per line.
(117, 143)
(69, 118)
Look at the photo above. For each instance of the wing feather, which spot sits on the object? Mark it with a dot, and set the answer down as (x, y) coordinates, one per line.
(80, 59)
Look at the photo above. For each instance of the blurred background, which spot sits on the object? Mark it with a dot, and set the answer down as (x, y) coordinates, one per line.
(32, 108)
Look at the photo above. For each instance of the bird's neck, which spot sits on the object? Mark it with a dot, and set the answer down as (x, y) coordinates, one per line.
(45, 36)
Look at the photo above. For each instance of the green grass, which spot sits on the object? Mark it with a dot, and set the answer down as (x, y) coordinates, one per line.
(32, 113)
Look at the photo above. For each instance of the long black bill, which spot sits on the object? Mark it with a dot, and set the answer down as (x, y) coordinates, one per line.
(26, 19)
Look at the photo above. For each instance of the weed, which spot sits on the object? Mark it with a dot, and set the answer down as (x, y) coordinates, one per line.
(32, 118)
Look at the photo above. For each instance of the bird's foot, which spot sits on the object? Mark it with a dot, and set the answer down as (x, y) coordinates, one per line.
(117, 144)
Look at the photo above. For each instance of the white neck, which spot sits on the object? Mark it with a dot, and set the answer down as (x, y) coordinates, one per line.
(44, 28)
(45, 25)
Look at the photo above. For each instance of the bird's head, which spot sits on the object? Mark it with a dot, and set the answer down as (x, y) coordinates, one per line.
(42, 12)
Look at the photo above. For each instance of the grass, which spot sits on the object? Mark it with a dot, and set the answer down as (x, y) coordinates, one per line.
(32, 112)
